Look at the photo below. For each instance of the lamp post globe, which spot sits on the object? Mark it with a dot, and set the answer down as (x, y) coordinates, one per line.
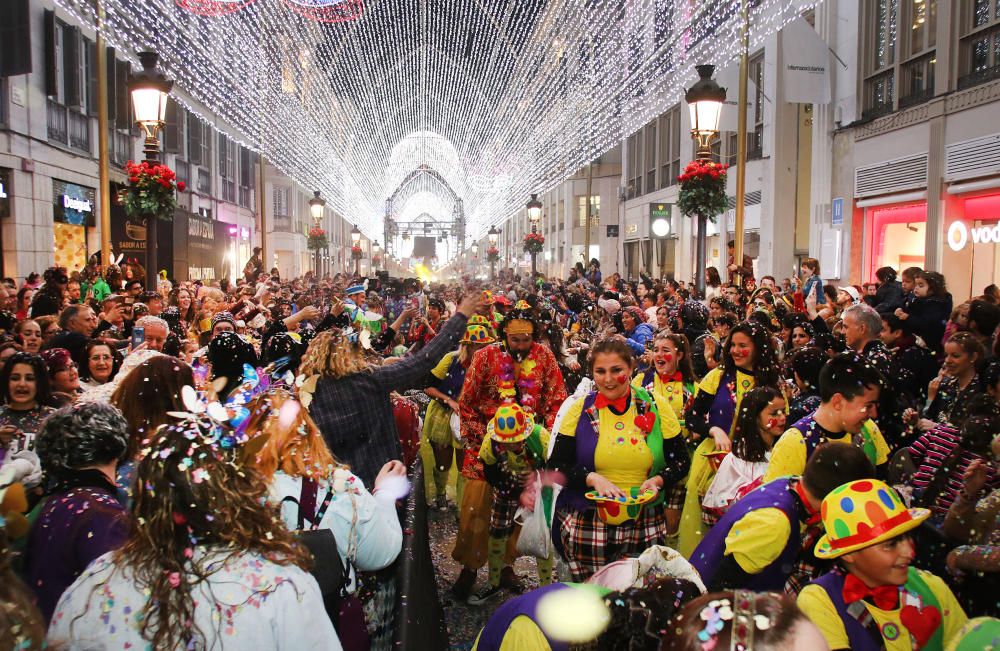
(493, 236)
(149, 90)
(356, 242)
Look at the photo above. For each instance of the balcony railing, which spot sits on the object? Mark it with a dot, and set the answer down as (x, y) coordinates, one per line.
(877, 111)
(57, 122)
(977, 77)
(120, 146)
(916, 98)
(283, 224)
(183, 171)
(229, 190)
(68, 126)
(79, 131)
(246, 197)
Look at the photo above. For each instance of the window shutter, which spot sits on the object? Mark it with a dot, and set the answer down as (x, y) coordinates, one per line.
(109, 65)
(15, 38)
(246, 168)
(91, 77)
(194, 141)
(71, 65)
(51, 69)
(123, 108)
(223, 152)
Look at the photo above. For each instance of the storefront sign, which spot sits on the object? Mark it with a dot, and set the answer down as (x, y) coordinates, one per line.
(959, 235)
(73, 204)
(4, 192)
(612, 230)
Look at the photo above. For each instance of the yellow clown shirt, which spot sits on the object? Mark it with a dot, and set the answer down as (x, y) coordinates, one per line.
(622, 455)
(788, 457)
(673, 394)
(816, 604)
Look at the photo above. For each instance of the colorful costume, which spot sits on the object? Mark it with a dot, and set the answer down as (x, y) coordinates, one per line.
(504, 464)
(793, 449)
(920, 614)
(754, 545)
(626, 446)
(533, 383)
(719, 394)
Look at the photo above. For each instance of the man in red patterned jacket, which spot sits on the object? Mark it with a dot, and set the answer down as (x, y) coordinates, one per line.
(517, 368)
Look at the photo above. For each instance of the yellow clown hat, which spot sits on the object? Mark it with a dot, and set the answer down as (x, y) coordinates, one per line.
(487, 297)
(863, 513)
(480, 320)
(510, 424)
(522, 305)
(477, 334)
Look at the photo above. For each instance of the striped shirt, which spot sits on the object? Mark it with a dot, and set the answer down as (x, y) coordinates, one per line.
(930, 451)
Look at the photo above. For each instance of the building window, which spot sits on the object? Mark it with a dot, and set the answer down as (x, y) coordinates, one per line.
(228, 169)
(4, 97)
(581, 210)
(980, 43)
(670, 146)
(649, 155)
(69, 59)
(755, 138)
(634, 166)
(248, 177)
(899, 55)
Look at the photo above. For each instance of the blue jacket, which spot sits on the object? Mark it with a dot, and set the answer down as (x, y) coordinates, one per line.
(638, 337)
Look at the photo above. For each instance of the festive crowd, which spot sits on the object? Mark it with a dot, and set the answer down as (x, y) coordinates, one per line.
(770, 465)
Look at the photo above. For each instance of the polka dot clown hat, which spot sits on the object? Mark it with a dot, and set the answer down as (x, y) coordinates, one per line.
(861, 514)
(510, 424)
(477, 334)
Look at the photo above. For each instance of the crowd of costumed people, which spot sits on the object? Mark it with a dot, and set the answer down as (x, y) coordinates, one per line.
(772, 464)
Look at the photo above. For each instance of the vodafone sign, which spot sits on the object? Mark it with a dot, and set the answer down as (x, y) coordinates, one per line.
(959, 235)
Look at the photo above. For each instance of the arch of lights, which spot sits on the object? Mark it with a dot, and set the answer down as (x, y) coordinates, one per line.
(507, 97)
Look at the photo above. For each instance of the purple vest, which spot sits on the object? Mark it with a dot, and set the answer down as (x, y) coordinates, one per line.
(723, 408)
(712, 549)
(527, 604)
(857, 635)
(452, 383)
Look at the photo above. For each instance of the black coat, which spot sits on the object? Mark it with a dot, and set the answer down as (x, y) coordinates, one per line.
(928, 318)
(888, 297)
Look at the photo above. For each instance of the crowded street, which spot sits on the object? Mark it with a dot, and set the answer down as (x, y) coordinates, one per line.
(499, 325)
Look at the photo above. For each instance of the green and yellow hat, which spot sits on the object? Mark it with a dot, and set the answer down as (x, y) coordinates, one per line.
(477, 334)
(863, 513)
(510, 424)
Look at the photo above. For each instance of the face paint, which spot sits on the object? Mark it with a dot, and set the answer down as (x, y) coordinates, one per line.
(621, 379)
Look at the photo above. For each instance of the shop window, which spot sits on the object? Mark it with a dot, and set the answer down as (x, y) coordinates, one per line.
(895, 237)
(979, 57)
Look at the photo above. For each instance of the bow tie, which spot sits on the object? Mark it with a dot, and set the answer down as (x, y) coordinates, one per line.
(676, 377)
(885, 597)
(619, 405)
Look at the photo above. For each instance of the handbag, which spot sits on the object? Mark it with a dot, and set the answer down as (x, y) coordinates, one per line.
(344, 608)
(535, 538)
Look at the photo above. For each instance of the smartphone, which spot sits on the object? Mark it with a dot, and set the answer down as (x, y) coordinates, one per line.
(138, 336)
(129, 300)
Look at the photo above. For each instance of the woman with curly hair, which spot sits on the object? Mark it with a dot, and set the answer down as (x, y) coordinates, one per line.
(748, 360)
(207, 563)
(80, 447)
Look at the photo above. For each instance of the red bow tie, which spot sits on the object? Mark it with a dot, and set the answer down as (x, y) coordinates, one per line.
(885, 597)
(619, 405)
(676, 377)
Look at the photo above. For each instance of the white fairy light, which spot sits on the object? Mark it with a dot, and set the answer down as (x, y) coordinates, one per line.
(498, 99)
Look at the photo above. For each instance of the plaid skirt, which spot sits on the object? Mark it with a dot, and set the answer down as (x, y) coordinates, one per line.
(589, 544)
(502, 514)
(673, 499)
(437, 425)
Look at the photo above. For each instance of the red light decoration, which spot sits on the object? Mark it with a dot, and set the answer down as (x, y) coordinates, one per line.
(213, 8)
(327, 11)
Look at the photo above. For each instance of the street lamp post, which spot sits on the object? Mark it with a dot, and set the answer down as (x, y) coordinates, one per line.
(149, 90)
(376, 250)
(534, 207)
(356, 241)
(705, 100)
(493, 236)
(317, 206)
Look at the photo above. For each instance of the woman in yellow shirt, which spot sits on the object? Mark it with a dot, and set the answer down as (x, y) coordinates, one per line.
(671, 381)
(748, 360)
(619, 445)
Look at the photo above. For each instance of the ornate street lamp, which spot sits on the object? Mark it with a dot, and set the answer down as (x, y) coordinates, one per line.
(376, 249)
(149, 90)
(475, 250)
(493, 237)
(356, 242)
(705, 99)
(534, 208)
(317, 206)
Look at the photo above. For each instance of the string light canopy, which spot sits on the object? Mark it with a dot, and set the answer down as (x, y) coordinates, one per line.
(500, 99)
